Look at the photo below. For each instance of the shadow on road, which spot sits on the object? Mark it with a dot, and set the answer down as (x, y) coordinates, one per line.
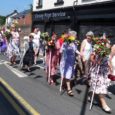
(84, 104)
(112, 89)
(38, 76)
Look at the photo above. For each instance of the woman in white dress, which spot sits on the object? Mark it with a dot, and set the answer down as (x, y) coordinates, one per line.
(13, 46)
(36, 41)
(112, 62)
(86, 50)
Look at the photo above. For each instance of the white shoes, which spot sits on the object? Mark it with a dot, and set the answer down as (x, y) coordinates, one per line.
(106, 108)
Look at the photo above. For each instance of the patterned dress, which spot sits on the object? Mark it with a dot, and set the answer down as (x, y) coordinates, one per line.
(67, 60)
(13, 49)
(99, 76)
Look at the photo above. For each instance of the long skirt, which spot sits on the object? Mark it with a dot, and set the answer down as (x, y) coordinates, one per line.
(29, 58)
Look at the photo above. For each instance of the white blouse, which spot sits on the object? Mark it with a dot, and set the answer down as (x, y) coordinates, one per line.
(113, 65)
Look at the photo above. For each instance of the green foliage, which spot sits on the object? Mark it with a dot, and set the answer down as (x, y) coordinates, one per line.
(7, 35)
(2, 20)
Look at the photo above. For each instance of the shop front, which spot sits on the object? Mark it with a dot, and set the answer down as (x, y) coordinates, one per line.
(98, 17)
(58, 20)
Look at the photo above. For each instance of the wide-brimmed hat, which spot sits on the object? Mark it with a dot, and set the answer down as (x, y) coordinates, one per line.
(26, 38)
(90, 33)
(32, 35)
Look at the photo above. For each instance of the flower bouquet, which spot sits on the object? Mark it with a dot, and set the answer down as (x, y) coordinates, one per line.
(7, 34)
(44, 36)
(100, 47)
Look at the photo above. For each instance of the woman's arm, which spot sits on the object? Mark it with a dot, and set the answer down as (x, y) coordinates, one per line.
(92, 58)
(82, 46)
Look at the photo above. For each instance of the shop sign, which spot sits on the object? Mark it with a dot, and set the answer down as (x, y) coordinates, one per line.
(49, 16)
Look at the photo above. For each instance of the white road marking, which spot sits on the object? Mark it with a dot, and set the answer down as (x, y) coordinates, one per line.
(2, 62)
(15, 71)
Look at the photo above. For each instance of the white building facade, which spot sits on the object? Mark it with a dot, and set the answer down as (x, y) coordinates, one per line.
(80, 15)
(9, 18)
(51, 4)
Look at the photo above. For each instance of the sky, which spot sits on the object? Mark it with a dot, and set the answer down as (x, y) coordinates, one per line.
(8, 6)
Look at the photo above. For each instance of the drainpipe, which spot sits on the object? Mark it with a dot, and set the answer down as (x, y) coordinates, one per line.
(74, 14)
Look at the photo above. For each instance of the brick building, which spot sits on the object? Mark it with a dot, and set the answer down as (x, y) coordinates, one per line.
(24, 22)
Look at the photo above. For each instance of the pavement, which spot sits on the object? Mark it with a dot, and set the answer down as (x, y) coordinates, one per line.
(46, 99)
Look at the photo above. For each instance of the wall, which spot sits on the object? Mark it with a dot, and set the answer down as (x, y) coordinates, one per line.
(27, 20)
(49, 4)
(25, 24)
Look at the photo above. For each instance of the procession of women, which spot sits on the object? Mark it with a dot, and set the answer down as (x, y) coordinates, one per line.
(93, 59)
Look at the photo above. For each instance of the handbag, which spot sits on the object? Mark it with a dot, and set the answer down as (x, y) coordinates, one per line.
(111, 77)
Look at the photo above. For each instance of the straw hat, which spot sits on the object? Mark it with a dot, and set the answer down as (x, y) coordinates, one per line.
(26, 38)
(32, 35)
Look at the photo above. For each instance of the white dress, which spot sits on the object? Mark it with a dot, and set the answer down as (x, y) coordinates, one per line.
(36, 40)
(113, 65)
(87, 50)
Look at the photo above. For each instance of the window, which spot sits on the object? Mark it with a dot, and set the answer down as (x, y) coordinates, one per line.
(39, 3)
(59, 2)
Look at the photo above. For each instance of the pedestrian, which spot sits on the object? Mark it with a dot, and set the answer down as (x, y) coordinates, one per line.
(15, 35)
(28, 59)
(13, 46)
(60, 42)
(36, 41)
(86, 50)
(112, 63)
(99, 71)
(52, 59)
(68, 54)
(3, 48)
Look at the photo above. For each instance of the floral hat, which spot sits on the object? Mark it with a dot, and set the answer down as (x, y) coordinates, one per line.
(71, 38)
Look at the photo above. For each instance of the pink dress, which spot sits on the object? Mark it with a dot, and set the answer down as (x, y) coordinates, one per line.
(54, 59)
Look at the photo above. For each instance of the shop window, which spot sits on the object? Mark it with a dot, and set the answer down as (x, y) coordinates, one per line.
(39, 3)
(59, 2)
